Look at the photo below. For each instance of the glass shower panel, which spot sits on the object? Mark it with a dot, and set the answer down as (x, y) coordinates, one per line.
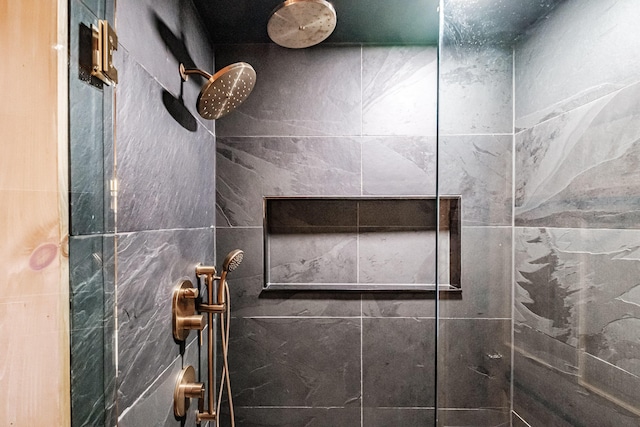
(92, 239)
(475, 157)
(538, 110)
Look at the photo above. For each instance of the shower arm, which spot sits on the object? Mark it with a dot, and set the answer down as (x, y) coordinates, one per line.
(184, 73)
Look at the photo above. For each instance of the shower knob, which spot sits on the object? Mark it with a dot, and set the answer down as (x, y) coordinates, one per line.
(184, 317)
(186, 388)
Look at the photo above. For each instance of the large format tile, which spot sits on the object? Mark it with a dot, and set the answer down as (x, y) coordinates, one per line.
(250, 168)
(294, 417)
(150, 265)
(579, 169)
(544, 396)
(393, 165)
(92, 309)
(485, 281)
(154, 407)
(592, 43)
(478, 167)
(385, 417)
(476, 84)
(474, 363)
(246, 284)
(159, 35)
(87, 144)
(474, 417)
(297, 91)
(295, 362)
(398, 362)
(580, 287)
(166, 174)
(399, 90)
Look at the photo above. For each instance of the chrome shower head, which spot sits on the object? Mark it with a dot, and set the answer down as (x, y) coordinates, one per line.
(225, 90)
(301, 23)
(231, 262)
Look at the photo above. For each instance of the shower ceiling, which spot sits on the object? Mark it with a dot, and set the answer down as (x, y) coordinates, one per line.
(383, 21)
(359, 21)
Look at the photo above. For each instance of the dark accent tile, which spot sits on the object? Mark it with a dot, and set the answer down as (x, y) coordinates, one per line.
(250, 168)
(393, 165)
(166, 174)
(385, 417)
(246, 284)
(92, 330)
(150, 265)
(297, 91)
(295, 362)
(476, 84)
(295, 215)
(294, 417)
(478, 167)
(87, 144)
(398, 362)
(474, 417)
(474, 363)
(399, 86)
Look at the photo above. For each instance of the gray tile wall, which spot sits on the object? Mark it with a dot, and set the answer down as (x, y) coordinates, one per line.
(576, 214)
(476, 160)
(141, 245)
(329, 121)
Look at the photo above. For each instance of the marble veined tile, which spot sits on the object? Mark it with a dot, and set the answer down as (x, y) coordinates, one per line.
(476, 85)
(593, 55)
(295, 417)
(581, 288)
(297, 91)
(150, 265)
(166, 174)
(581, 169)
(250, 168)
(399, 90)
(478, 167)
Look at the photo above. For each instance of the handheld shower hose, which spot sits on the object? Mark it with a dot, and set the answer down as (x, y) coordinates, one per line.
(222, 307)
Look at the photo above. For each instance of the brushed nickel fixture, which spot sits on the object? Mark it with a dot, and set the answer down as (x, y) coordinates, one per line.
(183, 309)
(298, 24)
(224, 91)
(184, 305)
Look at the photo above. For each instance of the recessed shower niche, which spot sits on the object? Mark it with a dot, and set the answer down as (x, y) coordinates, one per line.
(361, 243)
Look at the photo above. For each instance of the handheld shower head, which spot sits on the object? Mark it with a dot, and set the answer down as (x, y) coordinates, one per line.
(231, 262)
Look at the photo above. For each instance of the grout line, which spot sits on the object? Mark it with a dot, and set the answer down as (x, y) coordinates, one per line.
(513, 208)
(361, 363)
(519, 417)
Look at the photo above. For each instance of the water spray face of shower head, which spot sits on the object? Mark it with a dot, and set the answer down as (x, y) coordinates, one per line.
(226, 90)
(233, 260)
(298, 24)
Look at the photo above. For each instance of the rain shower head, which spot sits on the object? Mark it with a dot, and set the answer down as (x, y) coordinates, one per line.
(225, 90)
(301, 23)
